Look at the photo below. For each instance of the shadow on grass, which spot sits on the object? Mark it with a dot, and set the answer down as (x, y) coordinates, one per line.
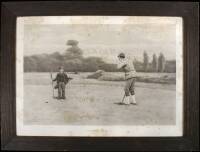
(119, 103)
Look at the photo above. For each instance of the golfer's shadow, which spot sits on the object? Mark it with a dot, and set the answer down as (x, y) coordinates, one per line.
(119, 103)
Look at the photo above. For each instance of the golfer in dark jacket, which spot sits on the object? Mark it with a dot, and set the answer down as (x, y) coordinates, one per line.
(62, 80)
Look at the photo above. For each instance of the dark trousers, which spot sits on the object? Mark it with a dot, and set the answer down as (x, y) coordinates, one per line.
(61, 90)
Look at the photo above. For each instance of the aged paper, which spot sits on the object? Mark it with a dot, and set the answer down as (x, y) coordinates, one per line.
(86, 48)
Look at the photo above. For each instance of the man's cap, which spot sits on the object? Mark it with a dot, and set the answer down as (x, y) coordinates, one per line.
(121, 55)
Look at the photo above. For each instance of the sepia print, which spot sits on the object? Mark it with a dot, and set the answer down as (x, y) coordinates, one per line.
(99, 76)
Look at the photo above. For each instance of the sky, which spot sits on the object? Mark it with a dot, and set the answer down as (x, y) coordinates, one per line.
(102, 40)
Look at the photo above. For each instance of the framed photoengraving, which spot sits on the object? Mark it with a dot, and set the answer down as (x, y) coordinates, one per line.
(100, 76)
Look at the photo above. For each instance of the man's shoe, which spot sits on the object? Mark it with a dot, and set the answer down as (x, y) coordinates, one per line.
(126, 101)
(132, 100)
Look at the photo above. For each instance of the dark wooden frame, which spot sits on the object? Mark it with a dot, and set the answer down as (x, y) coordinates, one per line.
(187, 10)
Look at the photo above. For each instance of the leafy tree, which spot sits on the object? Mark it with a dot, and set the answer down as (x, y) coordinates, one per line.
(72, 42)
(74, 51)
(30, 64)
(145, 61)
(161, 63)
(155, 63)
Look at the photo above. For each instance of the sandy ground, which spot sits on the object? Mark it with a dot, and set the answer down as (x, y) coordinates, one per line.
(93, 102)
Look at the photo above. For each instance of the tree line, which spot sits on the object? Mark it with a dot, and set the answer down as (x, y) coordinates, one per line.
(158, 64)
(73, 61)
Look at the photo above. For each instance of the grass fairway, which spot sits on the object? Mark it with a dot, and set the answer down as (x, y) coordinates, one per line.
(93, 102)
